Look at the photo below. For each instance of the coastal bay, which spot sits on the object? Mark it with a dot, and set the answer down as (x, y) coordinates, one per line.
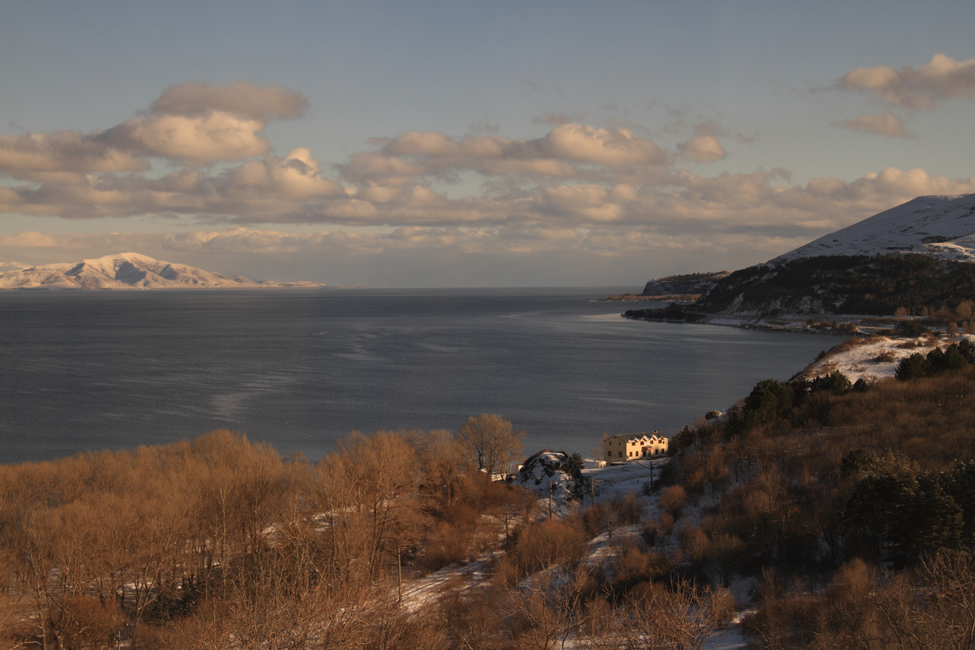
(302, 368)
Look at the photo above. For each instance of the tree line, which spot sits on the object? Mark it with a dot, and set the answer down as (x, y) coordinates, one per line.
(220, 542)
(852, 506)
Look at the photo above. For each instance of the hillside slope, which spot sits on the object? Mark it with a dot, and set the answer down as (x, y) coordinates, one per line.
(939, 226)
(917, 256)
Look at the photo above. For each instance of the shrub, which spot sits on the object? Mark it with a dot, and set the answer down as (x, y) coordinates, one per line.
(885, 357)
(551, 542)
(633, 566)
(695, 544)
(910, 328)
(835, 383)
(915, 366)
(650, 533)
(608, 515)
(665, 524)
(673, 500)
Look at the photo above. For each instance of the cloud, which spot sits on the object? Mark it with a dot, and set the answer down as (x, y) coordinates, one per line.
(296, 176)
(888, 125)
(241, 98)
(913, 89)
(578, 189)
(484, 126)
(366, 166)
(602, 146)
(193, 124)
(195, 140)
(556, 154)
(32, 240)
(557, 117)
(63, 151)
(703, 148)
(240, 240)
(575, 176)
(730, 220)
(199, 123)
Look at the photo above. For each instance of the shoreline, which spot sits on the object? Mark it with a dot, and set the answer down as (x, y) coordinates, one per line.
(838, 324)
(872, 350)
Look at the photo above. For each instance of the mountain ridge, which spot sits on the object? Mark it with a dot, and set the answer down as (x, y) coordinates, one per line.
(127, 271)
(941, 226)
(917, 258)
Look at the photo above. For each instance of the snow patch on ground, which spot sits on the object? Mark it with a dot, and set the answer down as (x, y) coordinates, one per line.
(876, 357)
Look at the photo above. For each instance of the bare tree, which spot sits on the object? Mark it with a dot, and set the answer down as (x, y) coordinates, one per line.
(934, 610)
(490, 441)
(365, 493)
(681, 618)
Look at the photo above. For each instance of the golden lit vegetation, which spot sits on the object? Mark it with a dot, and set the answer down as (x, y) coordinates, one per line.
(220, 542)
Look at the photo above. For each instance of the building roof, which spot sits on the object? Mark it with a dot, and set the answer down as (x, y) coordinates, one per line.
(636, 437)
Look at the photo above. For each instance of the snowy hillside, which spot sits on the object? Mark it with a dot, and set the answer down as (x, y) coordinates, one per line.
(940, 226)
(124, 271)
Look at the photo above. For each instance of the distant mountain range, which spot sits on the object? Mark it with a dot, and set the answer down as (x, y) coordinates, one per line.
(126, 271)
(917, 258)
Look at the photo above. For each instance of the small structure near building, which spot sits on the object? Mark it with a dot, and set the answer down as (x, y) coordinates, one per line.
(634, 446)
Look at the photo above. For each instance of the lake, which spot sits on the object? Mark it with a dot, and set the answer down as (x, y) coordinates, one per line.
(300, 369)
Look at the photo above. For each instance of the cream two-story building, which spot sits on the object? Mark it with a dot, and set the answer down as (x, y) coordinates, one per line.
(633, 446)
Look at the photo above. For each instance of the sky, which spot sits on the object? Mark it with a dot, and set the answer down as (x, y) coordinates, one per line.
(455, 144)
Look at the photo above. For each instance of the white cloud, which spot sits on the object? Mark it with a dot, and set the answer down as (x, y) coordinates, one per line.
(602, 146)
(556, 154)
(912, 89)
(296, 176)
(199, 123)
(199, 139)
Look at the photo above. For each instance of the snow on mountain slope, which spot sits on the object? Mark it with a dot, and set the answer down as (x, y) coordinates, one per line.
(125, 271)
(940, 226)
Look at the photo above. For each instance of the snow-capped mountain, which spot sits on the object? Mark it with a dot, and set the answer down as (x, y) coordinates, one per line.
(125, 271)
(939, 226)
(916, 258)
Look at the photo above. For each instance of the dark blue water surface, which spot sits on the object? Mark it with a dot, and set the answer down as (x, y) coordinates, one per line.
(301, 368)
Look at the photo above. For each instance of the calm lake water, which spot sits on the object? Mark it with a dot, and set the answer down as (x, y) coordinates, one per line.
(302, 368)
